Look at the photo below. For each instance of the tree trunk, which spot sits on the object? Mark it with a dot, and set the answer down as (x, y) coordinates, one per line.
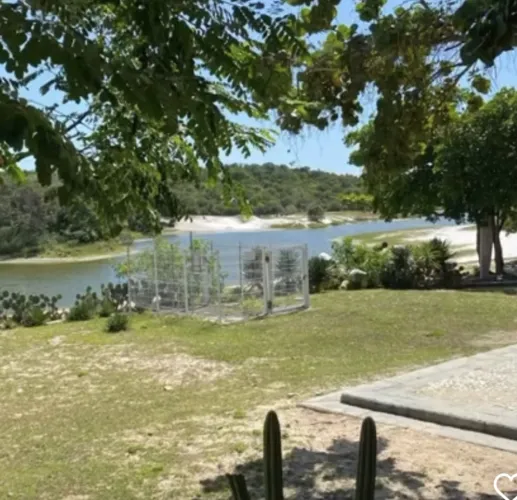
(478, 241)
(498, 249)
(485, 250)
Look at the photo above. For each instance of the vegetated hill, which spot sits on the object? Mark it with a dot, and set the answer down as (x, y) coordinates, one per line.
(31, 221)
(272, 189)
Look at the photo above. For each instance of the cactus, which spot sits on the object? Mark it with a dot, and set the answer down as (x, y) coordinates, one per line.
(367, 462)
(238, 487)
(366, 466)
(273, 458)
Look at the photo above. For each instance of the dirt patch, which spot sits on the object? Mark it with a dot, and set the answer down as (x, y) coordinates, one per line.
(496, 339)
(67, 362)
(320, 457)
(172, 370)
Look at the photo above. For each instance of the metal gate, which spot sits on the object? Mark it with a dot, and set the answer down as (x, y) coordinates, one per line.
(286, 280)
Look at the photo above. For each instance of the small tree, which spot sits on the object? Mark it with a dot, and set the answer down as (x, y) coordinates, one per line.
(477, 172)
(315, 213)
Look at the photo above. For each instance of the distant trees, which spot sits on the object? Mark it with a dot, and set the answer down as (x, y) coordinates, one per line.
(271, 190)
(30, 215)
(357, 201)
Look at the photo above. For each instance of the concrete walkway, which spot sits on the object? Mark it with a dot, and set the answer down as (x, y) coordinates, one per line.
(475, 394)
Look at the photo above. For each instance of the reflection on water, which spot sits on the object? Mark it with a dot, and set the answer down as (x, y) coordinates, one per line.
(72, 278)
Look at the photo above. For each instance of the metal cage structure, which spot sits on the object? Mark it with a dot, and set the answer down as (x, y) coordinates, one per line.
(227, 284)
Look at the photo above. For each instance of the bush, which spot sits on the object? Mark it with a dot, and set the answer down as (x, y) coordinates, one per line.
(315, 213)
(35, 316)
(433, 264)
(117, 323)
(319, 274)
(85, 307)
(400, 271)
(359, 256)
(107, 308)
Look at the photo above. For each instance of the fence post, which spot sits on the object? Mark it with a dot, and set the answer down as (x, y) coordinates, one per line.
(305, 274)
(185, 282)
(155, 265)
(129, 308)
(271, 281)
(218, 281)
(241, 283)
(265, 286)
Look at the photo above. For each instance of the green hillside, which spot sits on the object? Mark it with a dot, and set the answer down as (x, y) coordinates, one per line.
(272, 189)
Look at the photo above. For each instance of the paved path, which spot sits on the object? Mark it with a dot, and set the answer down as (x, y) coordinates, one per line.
(476, 393)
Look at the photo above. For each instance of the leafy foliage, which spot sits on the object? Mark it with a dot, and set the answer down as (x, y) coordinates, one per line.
(410, 56)
(34, 316)
(117, 322)
(318, 273)
(400, 271)
(85, 306)
(352, 256)
(271, 190)
(147, 87)
(357, 201)
(424, 265)
(315, 213)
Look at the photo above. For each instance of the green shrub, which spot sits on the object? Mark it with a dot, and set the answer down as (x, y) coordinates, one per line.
(319, 274)
(85, 307)
(400, 270)
(117, 323)
(107, 308)
(9, 324)
(352, 256)
(35, 316)
(315, 213)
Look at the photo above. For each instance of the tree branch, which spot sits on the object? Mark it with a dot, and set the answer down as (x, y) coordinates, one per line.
(78, 121)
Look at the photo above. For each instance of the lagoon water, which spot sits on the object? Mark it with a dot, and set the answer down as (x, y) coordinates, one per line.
(69, 279)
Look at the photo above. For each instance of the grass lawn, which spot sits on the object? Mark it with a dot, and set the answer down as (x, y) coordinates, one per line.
(161, 411)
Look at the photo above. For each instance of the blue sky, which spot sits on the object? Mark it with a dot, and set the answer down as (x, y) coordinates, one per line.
(312, 148)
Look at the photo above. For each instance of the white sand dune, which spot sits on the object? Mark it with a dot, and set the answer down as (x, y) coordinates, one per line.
(463, 238)
(222, 224)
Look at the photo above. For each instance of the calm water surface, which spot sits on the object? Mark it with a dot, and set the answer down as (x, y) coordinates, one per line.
(69, 279)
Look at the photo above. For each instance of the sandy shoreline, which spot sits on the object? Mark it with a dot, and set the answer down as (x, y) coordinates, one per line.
(463, 241)
(197, 224)
(222, 224)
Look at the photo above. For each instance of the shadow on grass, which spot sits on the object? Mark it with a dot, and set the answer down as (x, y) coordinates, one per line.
(312, 475)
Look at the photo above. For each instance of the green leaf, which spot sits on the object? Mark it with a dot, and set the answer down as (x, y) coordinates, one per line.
(481, 84)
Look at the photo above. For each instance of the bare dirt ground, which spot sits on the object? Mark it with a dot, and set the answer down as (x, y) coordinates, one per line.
(321, 454)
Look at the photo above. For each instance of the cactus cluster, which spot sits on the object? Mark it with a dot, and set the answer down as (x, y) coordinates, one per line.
(28, 310)
(273, 479)
(116, 294)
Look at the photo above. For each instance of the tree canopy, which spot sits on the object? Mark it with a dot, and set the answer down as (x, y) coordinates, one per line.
(415, 61)
(149, 87)
(155, 83)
